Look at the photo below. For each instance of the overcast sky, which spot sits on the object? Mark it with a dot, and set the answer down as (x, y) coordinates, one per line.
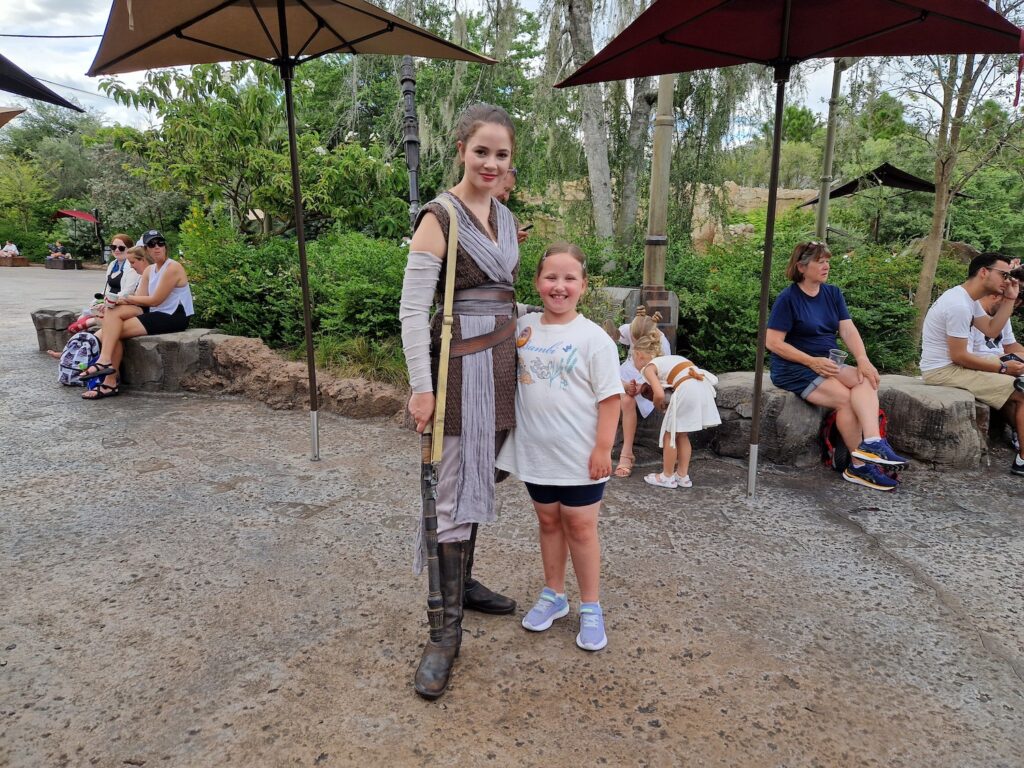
(66, 61)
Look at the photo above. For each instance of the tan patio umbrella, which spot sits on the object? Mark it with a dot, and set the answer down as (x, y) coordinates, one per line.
(284, 33)
(9, 113)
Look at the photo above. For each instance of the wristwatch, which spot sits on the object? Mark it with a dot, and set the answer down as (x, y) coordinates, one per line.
(1002, 367)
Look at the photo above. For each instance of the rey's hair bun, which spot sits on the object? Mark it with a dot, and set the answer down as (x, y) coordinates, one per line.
(644, 332)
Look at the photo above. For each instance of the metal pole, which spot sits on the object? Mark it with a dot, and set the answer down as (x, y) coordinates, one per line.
(411, 135)
(821, 226)
(653, 293)
(287, 66)
(781, 76)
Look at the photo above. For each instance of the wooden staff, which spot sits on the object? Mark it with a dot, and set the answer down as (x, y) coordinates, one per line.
(432, 441)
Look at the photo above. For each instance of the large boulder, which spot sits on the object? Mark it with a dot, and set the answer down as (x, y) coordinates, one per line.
(939, 425)
(52, 328)
(159, 363)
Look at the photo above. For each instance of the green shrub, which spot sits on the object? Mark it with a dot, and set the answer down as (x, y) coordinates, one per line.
(357, 284)
(254, 290)
(719, 294)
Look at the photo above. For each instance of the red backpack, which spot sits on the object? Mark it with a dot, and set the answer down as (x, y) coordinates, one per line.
(834, 452)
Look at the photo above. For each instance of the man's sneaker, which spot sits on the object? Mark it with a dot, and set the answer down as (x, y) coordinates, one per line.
(871, 476)
(591, 636)
(1017, 467)
(879, 452)
(549, 607)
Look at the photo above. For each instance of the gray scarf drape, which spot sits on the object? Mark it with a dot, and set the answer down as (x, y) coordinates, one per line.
(474, 496)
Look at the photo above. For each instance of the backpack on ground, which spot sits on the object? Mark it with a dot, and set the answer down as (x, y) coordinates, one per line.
(81, 351)
(834, 452)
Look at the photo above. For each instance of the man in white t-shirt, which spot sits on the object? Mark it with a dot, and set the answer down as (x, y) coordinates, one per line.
(946, 358)
(1004, 342)
(11, 249)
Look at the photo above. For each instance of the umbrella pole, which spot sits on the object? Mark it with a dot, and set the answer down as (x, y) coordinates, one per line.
(287, 69)
(781, 76)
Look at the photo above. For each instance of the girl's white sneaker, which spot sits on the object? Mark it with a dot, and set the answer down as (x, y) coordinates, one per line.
(658, 479)
(684, 481)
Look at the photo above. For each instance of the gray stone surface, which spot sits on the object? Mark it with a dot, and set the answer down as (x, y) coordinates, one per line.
(52, 327)
(939, 425)
(181, 587)
(160, 362)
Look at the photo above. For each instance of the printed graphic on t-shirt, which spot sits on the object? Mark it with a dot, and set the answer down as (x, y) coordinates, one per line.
(551, 364)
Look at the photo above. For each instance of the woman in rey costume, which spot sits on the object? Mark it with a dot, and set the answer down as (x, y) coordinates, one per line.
(481, 373)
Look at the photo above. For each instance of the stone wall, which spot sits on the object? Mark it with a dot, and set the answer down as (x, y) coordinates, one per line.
(938, 426)
(202, 360)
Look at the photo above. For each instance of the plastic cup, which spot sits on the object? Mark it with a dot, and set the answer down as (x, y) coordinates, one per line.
(837, 356)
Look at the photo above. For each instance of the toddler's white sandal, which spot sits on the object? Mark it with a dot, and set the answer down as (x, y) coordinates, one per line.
(658, 479)
(683, 481)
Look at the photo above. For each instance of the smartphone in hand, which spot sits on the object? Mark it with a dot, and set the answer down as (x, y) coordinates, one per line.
(1008, 357)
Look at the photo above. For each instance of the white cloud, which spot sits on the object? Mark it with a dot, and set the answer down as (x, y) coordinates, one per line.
(62, 61)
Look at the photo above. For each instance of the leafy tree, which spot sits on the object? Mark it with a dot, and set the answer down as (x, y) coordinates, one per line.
(25, 193)
(944, 93)
(798, 124)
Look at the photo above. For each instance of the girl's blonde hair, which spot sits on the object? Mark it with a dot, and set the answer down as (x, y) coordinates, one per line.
(573, 250)
(140, 251)
(644, 332)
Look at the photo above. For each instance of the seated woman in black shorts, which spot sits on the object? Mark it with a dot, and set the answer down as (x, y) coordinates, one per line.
(162, 304)
(802, 329)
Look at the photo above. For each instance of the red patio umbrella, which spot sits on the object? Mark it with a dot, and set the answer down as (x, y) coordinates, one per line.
(685, 35)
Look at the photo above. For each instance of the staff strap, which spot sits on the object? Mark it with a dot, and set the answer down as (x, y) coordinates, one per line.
(440, 401)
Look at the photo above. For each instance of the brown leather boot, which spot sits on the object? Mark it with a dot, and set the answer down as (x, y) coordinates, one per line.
(435, 669)
(477, 597)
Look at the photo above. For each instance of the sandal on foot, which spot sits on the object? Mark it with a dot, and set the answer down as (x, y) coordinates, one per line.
(96, 371)
(102, 391)
(658, 479)
(625, 468)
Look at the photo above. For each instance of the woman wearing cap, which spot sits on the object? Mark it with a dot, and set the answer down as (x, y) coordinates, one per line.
(802, 328)
(162, 304)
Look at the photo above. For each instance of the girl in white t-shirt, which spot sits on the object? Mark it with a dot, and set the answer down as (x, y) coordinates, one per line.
(567, 409)
(691, 407)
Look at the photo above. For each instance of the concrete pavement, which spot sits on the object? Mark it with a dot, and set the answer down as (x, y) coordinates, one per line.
(180, 586)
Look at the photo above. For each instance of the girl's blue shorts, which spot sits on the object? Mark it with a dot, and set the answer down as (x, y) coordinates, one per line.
(567, 495)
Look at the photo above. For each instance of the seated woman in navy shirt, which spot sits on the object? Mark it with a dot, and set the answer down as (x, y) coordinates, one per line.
(802, 329)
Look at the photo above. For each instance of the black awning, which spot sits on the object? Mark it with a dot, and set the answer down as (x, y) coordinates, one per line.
(885, 175)
(14, 79)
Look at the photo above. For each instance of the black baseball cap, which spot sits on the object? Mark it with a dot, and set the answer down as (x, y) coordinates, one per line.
(150, 236)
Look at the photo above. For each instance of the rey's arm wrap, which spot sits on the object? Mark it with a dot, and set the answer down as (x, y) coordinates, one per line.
(422, 272)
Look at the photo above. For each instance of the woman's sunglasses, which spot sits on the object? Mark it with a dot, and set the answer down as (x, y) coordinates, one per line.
(114, 247)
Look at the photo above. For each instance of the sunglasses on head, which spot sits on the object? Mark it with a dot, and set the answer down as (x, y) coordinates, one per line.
(156, 244)
(115, 247)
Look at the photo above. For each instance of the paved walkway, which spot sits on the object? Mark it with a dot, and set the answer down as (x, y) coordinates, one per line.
(180, 586)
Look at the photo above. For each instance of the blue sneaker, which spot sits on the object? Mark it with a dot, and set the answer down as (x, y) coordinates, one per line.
(879, 452)
(870, 476)
(591, 636)
(549, 607)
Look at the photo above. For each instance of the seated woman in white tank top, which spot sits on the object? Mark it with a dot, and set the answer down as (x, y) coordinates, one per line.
(162, 304)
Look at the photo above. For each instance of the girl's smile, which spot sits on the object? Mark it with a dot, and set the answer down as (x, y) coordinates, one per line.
(560, 285)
